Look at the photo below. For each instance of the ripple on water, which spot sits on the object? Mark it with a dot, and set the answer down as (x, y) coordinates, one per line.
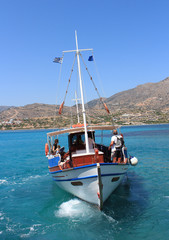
(3, 181)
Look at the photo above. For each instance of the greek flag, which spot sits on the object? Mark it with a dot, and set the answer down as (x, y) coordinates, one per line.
(90, 58)
(58, 60)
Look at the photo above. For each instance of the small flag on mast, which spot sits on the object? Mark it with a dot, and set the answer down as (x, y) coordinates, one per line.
(58, 59)
(90, 58)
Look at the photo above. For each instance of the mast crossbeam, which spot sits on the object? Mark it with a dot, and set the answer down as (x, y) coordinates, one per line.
(79, 50)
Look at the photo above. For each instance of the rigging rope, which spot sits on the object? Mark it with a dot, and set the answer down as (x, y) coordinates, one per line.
(59, 76)
(62, 104)
(101, 99)
(58, 87)
(98, 76)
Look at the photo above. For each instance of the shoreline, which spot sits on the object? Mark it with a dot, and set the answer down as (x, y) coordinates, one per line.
(54, 129)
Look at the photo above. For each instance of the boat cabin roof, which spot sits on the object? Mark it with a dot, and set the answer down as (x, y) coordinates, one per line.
(81, 129)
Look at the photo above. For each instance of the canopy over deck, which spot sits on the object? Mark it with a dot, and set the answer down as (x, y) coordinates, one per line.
(81, 129)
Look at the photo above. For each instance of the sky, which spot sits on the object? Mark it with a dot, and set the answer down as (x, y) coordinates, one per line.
(130, 39)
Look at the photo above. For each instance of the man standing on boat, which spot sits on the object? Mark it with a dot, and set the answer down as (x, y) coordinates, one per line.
(116, 145)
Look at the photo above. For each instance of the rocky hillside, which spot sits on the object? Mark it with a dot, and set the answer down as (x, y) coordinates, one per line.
(147, 103)
(149, 96)
(3, 108)
(36, 110)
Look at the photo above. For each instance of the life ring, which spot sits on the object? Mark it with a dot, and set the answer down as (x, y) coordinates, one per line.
(46, 149)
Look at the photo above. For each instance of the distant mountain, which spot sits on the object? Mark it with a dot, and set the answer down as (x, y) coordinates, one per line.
(149, 96)
(3, 108)
(145, 97)
(36, 110)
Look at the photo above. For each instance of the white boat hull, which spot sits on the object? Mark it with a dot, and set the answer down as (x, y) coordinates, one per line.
(83, 181)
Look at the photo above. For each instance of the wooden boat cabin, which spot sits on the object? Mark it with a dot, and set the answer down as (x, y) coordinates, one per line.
(77, 156)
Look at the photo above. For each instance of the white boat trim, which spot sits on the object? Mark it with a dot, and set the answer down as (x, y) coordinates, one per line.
(91, 165)
(92, 176)
(81, 129)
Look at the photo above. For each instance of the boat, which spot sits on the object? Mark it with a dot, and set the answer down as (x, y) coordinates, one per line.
(86, 169)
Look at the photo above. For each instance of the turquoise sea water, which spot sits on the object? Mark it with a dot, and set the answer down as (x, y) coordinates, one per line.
(33, 207)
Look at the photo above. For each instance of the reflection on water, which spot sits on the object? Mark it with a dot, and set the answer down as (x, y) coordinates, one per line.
(129, 200)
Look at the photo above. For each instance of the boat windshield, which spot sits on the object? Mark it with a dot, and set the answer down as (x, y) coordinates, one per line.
(78, 139)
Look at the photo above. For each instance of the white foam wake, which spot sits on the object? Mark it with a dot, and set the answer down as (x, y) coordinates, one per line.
(72, 208)
(32, 230)
(109, 218)
(30, 178)
(3, 181)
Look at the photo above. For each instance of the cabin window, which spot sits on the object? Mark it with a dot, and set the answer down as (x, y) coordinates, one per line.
(77, 183)
(79, 137)
(114, 179)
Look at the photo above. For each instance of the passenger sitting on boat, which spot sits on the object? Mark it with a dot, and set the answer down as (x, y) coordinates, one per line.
(58, 149)
(55, 145)
(116, 146)
(52, 152)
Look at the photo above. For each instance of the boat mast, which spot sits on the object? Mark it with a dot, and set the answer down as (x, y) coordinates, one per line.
(77, 109)
(82, 98)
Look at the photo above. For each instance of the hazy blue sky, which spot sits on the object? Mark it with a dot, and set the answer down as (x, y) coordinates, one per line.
(130, 39)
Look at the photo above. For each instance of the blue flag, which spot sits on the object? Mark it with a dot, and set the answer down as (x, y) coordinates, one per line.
(58, 60)
(90, 58)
